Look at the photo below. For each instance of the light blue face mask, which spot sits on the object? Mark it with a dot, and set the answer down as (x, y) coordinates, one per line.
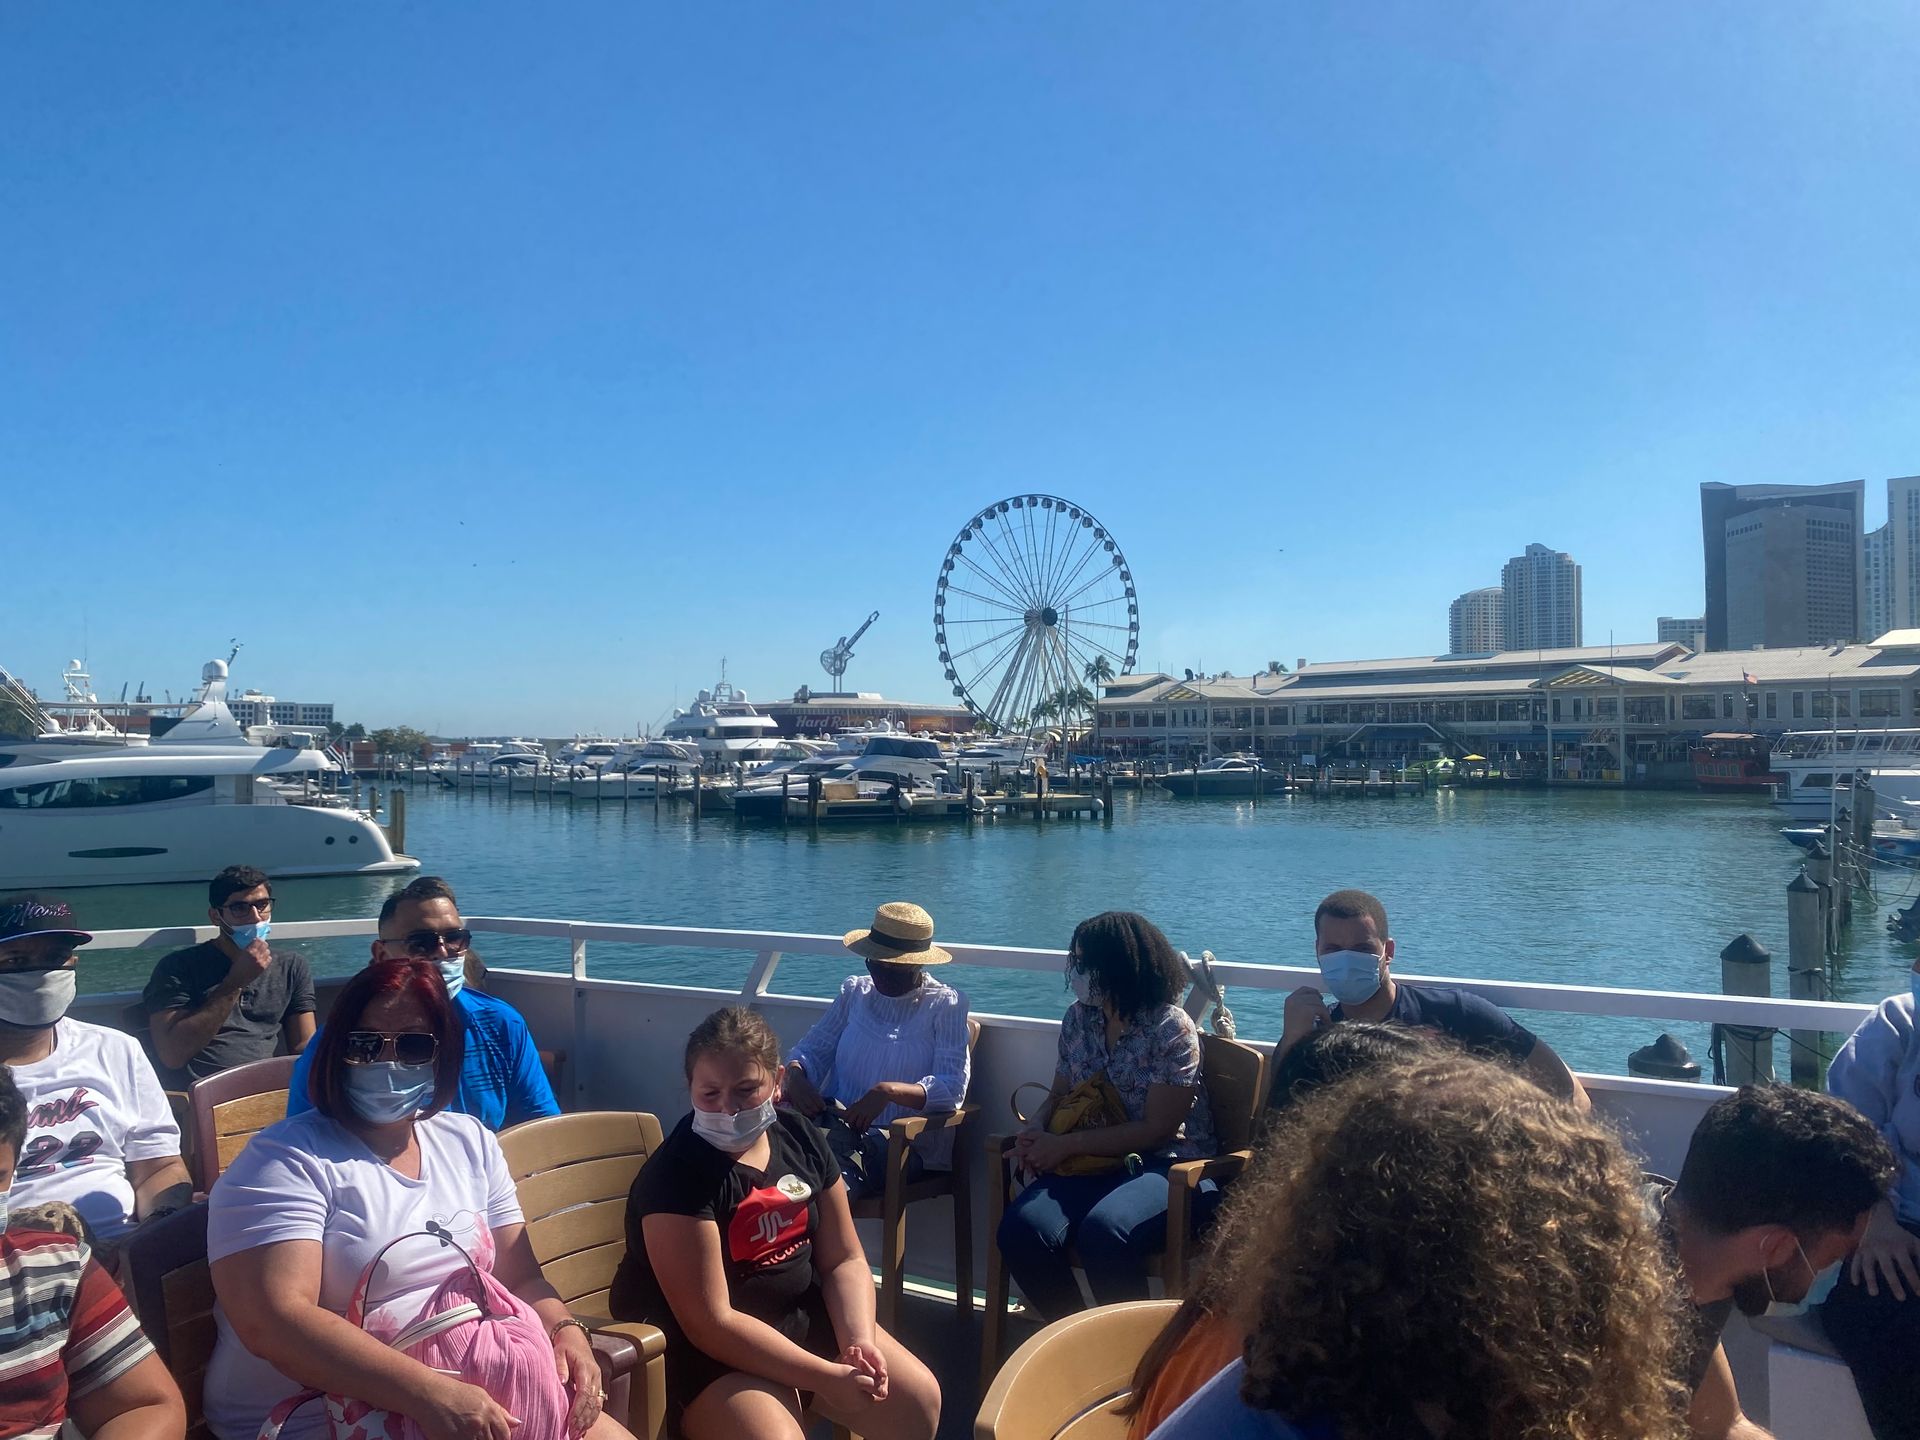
(1817, 1292)
(245, 935)
(453, 970)
(386, 1090)
(5, 1197)
(1913, 984)
(1351, 976)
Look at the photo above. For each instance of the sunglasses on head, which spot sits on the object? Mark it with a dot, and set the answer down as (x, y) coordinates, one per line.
(409, 1047)
(424, 944)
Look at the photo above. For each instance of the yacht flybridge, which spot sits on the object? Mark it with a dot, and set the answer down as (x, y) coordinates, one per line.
(177, 808)
(725, 727)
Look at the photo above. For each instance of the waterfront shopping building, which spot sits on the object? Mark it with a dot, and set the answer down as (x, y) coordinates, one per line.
(1605, 714)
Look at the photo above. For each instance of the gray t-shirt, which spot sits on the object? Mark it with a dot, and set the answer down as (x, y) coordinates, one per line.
(251, 1030)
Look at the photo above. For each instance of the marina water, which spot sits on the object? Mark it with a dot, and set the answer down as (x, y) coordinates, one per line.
(1594, 887)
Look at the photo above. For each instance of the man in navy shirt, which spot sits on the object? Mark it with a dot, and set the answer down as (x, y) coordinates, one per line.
(501, 1082)
(1355, 954)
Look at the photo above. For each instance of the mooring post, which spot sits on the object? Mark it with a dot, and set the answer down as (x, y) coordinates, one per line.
(813, 800)
(1806, 978)
(1746, 969)
(786, 793)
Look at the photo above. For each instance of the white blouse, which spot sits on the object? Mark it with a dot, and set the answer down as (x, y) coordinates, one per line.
(866, 1037)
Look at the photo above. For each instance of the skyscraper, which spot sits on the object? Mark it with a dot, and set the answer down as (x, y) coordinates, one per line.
(1785, 564)
(1540, 607)
(1475, 623)
(1902, 554)
(1877, 562)
(1688, 630)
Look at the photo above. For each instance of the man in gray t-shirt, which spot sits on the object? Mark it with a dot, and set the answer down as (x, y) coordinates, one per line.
(229, 1000)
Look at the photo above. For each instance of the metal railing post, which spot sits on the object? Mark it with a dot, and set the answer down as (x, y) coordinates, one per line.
(761, 976)
(579, 1024)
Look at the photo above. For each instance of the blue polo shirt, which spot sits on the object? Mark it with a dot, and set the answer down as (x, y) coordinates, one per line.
(501, 1082)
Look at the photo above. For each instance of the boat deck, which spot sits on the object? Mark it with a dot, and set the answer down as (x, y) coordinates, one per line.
(621, 1043)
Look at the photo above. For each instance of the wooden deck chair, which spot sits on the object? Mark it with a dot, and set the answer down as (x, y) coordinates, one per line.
(172, 1286)
(572, 1174)
(1234, 1074)
(230, 1108)
(1066, 1382)
(890, 1207)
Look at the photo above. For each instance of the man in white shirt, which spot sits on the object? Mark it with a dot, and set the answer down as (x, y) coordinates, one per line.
(100, 1135)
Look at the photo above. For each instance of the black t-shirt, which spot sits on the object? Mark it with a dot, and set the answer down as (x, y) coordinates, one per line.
(1478, 1025)
(1702, 1324)
(251, 1030)
(767, 1220)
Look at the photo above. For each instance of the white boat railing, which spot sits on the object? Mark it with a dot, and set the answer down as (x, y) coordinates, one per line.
(768, 947)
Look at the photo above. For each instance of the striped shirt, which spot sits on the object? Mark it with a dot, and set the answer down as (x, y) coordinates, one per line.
(65, 1330)
(866, 1037)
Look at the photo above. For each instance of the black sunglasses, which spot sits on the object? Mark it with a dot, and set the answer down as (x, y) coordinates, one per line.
(423, 944)
(410, 1047)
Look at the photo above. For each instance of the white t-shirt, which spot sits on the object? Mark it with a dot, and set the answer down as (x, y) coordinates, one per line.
(92, 1105)
(310, 1178)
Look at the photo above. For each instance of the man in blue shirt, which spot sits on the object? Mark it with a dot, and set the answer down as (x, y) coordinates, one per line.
(501, 1082)
(1355, 954)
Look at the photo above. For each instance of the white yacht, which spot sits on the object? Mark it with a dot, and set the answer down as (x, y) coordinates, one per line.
(1814, 770)
(917, 763)
(178, 808)
(1008, 756)
(1229, 775)
(723, 725)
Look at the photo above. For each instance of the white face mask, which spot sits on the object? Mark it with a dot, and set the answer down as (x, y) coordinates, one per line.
(35, 999)
(734, 1133)
(1082, 985)
(453, 970)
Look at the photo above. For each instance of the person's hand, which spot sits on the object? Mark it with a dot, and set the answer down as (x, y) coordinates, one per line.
(848, 1388)
(250, 965)
(1887, 1252)
(800, 1093)
(864, 1111)
(867, 1357)
(459, 1411)
(579, 1369)
(1304, 1013)
(1041, 1152)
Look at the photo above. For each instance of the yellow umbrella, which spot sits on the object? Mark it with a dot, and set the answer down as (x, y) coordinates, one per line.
(1473, 757)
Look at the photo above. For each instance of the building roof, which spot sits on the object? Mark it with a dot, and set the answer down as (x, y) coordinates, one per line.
(1807, 663)
(1649, 653)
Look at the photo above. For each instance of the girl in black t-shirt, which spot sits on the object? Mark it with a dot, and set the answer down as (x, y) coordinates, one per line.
(740, 1246)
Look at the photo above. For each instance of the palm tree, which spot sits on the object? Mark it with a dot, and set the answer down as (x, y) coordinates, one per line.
(1099, 670)
(1046, 708)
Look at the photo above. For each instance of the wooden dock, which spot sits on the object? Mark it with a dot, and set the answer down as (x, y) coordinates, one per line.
(1052, 803)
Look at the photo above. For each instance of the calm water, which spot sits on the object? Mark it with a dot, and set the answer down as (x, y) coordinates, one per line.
(1611, 888)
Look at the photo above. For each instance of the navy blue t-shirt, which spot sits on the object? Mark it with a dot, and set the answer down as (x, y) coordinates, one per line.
(1478, 1025)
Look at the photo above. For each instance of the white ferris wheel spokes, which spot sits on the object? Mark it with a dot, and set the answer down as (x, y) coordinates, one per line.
(1034, 598)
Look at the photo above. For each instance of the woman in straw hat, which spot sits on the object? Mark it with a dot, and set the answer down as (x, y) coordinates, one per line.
(893, 1043)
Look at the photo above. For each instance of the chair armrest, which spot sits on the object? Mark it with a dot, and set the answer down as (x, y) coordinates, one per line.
(909, 1127)
(620, 1353)
(646, 1340)
(1188, 1174)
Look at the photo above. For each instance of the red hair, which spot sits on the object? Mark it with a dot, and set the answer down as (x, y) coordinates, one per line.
(420, 979)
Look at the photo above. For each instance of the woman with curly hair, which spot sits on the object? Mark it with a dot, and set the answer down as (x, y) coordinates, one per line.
(1447, 1251)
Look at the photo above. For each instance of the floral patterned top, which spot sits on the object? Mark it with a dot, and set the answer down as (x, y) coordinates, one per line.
(1158, 1047)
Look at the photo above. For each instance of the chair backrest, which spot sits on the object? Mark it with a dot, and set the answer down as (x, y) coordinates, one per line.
(1066, 1382)
(1233, 1073)
(231, 1107)
(572, 1174)
(166, 1269)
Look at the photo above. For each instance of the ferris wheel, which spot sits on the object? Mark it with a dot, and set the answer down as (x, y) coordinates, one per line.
(1034, 599)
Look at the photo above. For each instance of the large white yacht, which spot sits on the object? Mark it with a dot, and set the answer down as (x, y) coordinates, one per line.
(177, 808)
(725, 727)
(1814, 770)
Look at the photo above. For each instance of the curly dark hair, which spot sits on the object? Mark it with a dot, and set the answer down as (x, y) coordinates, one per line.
(1776, 1155)
(1444, 1236)
(1129, 960)
(13, 1112)
(1334, 1052)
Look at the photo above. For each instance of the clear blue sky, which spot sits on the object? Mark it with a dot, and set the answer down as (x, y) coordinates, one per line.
(501, 367)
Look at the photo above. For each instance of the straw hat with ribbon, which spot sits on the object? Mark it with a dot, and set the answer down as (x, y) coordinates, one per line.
(901, 934)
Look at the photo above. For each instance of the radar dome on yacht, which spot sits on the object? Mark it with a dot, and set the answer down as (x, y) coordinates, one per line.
(214, 670)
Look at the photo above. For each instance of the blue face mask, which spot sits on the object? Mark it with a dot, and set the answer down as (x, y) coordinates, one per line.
(1913, 984)
(5, 1197)
(1351, 976)
(1817, 1291)
(453, 970)
(245, 935)
(386, 1090)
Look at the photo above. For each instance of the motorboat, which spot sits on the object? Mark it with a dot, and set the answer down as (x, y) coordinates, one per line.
(1824, 791)
(1895, 842)
(1727, 760)
(911, 759)
(1807, 766)
(982, 758)
(762, 799)
(1229, 775)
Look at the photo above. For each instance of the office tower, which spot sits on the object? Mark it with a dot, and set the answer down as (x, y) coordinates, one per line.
(1785, 564)
(1541, 605)
(1687, 630)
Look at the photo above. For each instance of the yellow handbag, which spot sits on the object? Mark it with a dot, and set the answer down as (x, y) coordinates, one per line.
(1090, 1105)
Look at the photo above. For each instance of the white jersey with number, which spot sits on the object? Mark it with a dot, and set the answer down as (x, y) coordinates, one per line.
(93, 1106)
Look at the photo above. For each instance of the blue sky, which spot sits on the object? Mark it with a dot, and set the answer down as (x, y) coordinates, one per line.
(497, 367)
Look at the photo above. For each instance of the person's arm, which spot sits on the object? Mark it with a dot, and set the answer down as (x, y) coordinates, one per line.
(297, 1031)
(518, 1269)
(298, 1100)
(846, 1287)
(685, 1254)
(159, 1185)
(297, 1026)
(529, 1096)
(1715, 1411)
(811, 1060)
(271, 1295)
(1166, 1110)
(1305, 1012)
(181, 1032)
(944, 1087)
(1546, 1069)
(142, 1403)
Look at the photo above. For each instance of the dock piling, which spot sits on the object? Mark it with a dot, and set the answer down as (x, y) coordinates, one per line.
(1806, 978)
(397, 821)
(1746, 969)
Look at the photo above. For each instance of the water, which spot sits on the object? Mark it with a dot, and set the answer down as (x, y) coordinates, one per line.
(1579, 887)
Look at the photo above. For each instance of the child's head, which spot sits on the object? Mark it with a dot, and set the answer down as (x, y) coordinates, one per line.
(733, 1061)
(13, 1127)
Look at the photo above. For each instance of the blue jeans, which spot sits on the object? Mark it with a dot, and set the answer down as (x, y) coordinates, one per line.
(1117, 1223)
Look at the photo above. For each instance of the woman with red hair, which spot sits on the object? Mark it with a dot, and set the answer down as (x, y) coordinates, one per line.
(305, 1208)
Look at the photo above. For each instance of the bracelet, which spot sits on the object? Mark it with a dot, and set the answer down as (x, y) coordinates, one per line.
(580, 1325)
